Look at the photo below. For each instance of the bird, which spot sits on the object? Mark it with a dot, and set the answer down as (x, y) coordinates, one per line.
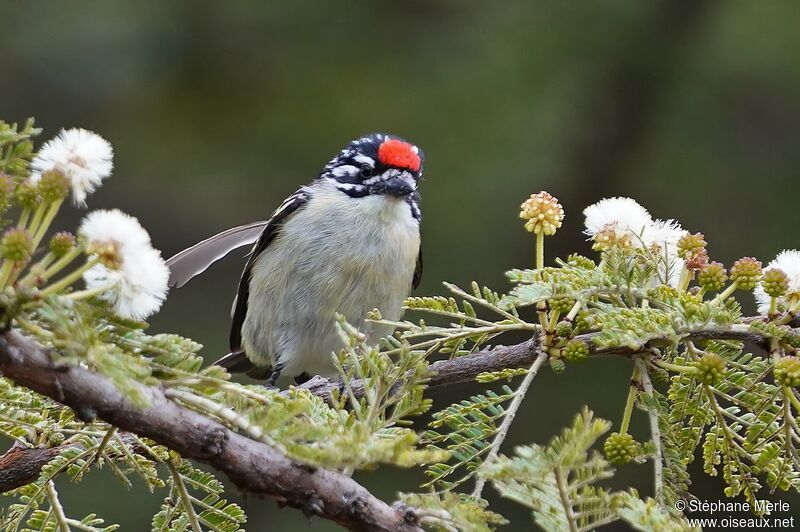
(345, 244)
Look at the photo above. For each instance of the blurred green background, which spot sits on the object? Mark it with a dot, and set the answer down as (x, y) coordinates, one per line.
(218, 110)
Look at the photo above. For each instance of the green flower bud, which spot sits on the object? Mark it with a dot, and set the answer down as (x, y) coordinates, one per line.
(746, 272)
(787, 372)
(775, 282)
(16, 245)
(711, 368)
(62, 243)
(691, 244)
(27, 195)
(53, 186)
(561, 304)
(579, 261)
(620, 448)
(564, 329)
(576, 350)
(712, 276)
(557, 365)
(55, 439)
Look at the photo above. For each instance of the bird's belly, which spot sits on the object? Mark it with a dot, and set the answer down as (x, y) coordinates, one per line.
(306, 277)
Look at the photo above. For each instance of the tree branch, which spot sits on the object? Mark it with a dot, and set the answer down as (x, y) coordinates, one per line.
(466, 368)
(22, 465)
(251, 465)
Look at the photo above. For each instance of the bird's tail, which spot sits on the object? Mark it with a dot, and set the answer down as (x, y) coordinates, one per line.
(237, 362)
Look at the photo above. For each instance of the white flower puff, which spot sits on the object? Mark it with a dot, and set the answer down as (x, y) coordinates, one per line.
(139, 286)
(623, 216)
(85, 158)
(113, 227)
(788, 261)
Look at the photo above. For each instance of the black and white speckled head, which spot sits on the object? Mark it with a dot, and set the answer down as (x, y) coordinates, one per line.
(376, 164)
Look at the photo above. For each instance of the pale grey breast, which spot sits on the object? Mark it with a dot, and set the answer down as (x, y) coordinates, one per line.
(343, 255)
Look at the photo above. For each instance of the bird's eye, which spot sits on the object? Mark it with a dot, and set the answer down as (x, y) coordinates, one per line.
(366, 170)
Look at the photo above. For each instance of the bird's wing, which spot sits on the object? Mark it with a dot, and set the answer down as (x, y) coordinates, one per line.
(273, 225)
(196, 259)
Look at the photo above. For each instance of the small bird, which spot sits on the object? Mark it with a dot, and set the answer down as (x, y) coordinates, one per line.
(346, 243)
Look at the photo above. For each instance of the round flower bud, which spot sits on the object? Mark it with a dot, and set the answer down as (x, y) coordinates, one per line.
(543, 212)
(557, 365)
(775, 282)
(62, 243)
(712, 276)
(787, 372)
(576, 350)
(579, 261)
(6, 191)
(620, 448)
(55, 439)
(711, 368)
(746, 272)
(16, 245)
(608, 238)
(27, 195)
(561, 304)
(690, 244)
(53, 186)
(564, 329)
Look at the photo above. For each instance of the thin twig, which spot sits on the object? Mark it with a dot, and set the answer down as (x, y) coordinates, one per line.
(183, 493)
(655, 431)
(55, 504)
(511, 412)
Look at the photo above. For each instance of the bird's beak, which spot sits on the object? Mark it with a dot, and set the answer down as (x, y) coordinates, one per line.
(394, 186)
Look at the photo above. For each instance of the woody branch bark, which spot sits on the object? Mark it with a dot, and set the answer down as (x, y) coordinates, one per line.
(252, 466)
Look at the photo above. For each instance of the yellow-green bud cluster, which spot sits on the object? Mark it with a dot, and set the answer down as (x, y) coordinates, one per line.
(543, 212)
(16, 245)
(576, 350)
(53, 186)
(564, 329)
(557, 365)
(27, 195)
(787, 372)
(775, 282)
(62, 243)
(746, 272)
(710, 368)
(691, 244)
(561, 304)
(6, 191)
(713, 276)
(579, 261)
(56, 438)
(620, 448)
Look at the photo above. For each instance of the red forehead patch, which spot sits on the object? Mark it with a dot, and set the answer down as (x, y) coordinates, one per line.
(399, 154)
